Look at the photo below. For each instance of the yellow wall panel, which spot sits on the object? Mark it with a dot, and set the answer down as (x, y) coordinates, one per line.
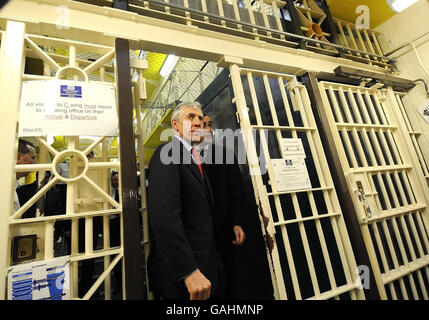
(379, 10)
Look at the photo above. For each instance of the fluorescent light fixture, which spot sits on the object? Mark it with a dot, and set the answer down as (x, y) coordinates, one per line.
(400, 5)
(168, 65)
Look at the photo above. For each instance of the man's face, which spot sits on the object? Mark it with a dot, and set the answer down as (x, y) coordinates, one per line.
(189, 125)
(207, 132)
(26, 158)
(115, 181)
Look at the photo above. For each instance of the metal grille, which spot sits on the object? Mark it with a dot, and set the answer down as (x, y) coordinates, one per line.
(414, 135)
(185, 83)
(387, 194)
(88, 185)
(308, 248)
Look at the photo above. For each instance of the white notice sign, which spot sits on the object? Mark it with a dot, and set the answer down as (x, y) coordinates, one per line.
(40, 280)
(292, 148)
(67, 108)
(291, 174)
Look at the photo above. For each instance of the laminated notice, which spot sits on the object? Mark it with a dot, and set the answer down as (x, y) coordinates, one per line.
(67, 108)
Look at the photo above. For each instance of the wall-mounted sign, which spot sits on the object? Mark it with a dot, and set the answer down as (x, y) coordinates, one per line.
(67, 108)
(40, 280)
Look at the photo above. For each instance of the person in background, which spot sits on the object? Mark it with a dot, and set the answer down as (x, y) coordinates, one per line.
(26, 155)
(227, 185)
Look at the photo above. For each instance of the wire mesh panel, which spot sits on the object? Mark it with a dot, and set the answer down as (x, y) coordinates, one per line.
(308, 248)
(387, 195)
(88, 223)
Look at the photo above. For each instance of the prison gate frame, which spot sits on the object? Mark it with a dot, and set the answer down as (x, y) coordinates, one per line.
(89, 183)
(344, 197)
(282, 256)
(98, 27)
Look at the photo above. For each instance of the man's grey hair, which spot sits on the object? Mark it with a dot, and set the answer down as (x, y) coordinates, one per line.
(177, 113)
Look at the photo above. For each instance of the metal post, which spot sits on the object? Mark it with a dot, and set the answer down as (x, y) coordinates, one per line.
(131, 234)
(332, 29)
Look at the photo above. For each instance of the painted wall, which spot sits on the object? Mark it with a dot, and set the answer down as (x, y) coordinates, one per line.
(346, 10)
(411, 25)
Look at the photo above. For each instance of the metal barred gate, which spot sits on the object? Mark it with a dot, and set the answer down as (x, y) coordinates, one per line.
(387, 186)
(308, 248)
(88, 184)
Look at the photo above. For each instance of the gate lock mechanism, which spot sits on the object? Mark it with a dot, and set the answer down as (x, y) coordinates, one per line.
(362, 198)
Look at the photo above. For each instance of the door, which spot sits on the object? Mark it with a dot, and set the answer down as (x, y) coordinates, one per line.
(386, 184)
(308, 248)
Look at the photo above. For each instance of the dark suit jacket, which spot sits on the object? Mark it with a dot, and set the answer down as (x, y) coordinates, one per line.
(227, 185)
(181, 219)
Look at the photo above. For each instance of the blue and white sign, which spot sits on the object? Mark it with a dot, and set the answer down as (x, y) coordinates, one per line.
(67, 108)
(40, 280)
(70, 91)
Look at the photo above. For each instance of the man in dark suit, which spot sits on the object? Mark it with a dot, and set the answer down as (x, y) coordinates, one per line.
(227, 185)
(185, 261)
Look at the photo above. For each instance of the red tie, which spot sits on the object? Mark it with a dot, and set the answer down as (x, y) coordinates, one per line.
(197, 160)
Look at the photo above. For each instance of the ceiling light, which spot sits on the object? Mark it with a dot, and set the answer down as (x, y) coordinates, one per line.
(168, 65)
(400, 5)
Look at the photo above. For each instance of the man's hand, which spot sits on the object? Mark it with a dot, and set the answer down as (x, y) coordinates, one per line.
(240, 236)
(198, 286)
